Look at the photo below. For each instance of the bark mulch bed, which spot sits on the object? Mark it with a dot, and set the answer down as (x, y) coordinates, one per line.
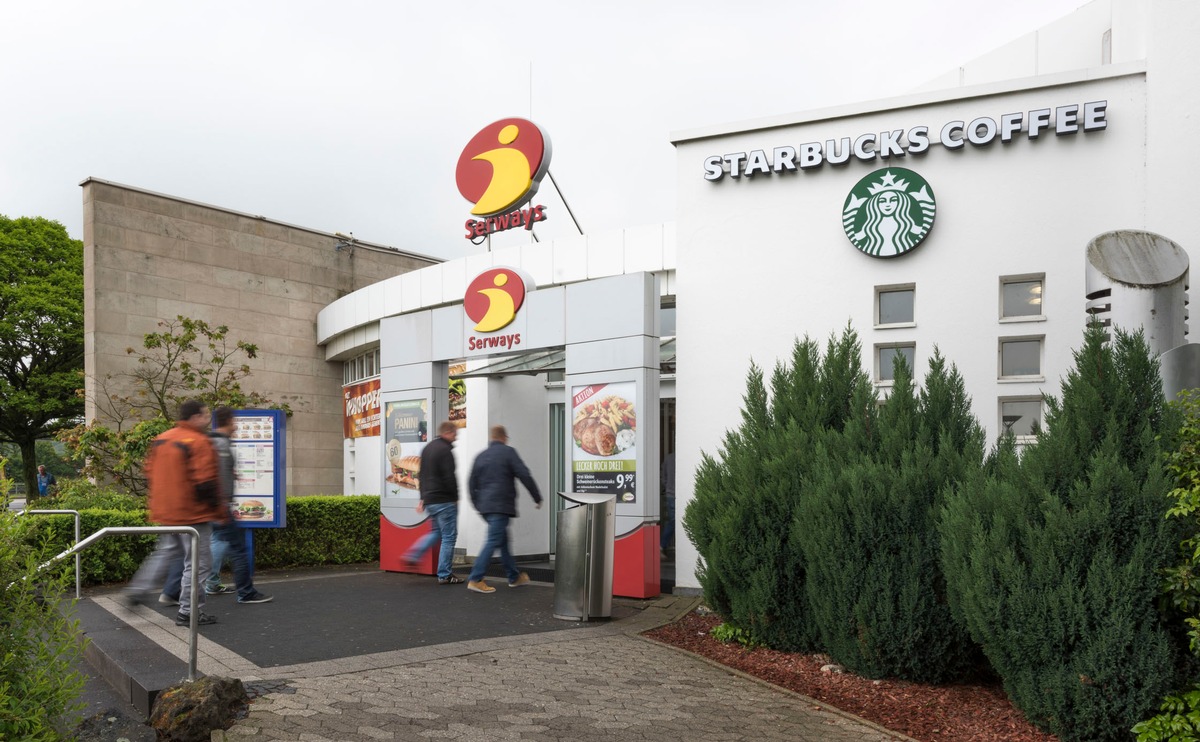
(963, 712)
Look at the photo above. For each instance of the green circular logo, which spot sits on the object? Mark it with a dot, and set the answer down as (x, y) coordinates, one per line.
(889, 212)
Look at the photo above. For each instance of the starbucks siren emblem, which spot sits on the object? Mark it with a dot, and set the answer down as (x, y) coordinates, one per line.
(889, 212)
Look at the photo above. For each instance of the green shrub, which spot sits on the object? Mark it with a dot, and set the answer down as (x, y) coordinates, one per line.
(727, 633)
(751, 568)
(868, 530)
(40, 642)
(113, 558)
(1178, 719)
(340, 529)
(81, 494)
(320, 530)
(1053, 560)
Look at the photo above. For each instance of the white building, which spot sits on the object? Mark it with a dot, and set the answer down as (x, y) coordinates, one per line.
(790, 226)
(1083, 127)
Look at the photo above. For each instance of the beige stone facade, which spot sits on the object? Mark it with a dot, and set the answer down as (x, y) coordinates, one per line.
(150, 257)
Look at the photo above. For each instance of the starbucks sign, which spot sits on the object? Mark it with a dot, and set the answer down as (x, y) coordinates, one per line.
(889, 212)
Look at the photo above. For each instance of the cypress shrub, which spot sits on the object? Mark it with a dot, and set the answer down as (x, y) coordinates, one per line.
(1053, 560)
(741, 517)
(868, 529)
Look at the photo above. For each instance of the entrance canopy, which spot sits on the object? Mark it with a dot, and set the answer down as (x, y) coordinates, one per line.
(543, 361)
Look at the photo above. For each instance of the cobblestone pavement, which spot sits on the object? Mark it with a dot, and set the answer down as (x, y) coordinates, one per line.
(614, 687)
(600, 680)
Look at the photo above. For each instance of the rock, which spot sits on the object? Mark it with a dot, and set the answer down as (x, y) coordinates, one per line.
(189, 712)
(833, 668)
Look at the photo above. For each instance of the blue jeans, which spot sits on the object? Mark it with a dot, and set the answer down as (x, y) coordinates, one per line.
(444, 518)
(668, 529)
(497, 538)
(230, 540)
(219, 547)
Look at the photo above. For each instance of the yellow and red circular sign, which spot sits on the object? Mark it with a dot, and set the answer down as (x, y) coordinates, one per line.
(493, 298)
(501, 167)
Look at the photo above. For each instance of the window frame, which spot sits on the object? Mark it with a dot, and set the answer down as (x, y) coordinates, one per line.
(1041, 403)
(890, 288)
(879, 380)
(361, 367)
(1039, 376)
(1021, 278)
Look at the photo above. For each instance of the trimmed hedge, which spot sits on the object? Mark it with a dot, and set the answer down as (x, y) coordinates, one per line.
(111, 559)
(320, 530)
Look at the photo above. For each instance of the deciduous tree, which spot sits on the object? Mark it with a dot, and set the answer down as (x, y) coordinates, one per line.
(41, 334)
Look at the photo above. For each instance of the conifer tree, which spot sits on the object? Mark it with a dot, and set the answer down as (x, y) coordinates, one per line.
(867, 527)
(742, 514)
(1053, 560)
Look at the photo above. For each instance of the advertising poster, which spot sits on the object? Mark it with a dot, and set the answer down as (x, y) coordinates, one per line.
(254, 466)
(360, 409)
(604, 434)
(407, 431)
(458, 396)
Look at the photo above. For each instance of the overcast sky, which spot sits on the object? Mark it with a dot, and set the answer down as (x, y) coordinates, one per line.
(350, 116)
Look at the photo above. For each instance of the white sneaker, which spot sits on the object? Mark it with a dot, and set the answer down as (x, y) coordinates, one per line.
(167, 600)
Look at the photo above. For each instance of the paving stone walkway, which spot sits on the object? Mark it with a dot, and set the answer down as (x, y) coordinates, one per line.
(370, 656)
(607, 687)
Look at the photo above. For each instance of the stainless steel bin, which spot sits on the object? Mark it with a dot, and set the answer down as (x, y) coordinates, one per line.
(584, 557)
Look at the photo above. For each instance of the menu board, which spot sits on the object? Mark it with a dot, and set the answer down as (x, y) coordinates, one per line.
(604, 440)
(255, 489)
(406, 424)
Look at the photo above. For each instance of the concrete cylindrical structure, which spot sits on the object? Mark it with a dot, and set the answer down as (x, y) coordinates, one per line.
(1139, 279)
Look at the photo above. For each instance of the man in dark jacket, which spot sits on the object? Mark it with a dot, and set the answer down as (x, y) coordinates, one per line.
(439, 497)
(494, 495)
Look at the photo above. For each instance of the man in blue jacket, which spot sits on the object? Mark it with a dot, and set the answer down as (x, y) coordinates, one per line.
(494, 495)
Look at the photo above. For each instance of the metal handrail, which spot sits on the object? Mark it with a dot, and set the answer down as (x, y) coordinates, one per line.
(193, 627)
(78, 564)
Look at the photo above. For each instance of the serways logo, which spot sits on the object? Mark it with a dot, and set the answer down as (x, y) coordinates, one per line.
(499, 171)
(889, 212)
(494, 297)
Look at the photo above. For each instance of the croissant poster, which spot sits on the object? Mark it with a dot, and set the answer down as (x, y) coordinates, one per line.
(604, 435)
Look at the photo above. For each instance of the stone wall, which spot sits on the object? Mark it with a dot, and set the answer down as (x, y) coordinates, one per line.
(150, 257)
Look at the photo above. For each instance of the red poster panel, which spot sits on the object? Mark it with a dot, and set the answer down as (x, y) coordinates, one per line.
(361, 409)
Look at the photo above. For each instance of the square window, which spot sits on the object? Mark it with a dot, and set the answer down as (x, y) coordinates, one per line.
(894, 305)
(1021, 357)
(1021, 297)
(887, 358)
(1021, 417)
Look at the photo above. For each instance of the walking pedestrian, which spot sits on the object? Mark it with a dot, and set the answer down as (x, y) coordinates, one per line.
(439, 498)
(228, 540)
(494, 495)
(184, 490)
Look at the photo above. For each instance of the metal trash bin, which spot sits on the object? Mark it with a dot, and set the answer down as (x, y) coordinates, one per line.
(584, 557)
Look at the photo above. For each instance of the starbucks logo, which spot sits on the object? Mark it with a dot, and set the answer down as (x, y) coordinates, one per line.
(889, 212)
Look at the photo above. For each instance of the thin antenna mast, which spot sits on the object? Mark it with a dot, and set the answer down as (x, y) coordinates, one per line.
(564, 200)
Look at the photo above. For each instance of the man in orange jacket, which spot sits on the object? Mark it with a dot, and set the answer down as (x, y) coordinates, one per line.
(181, 470)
